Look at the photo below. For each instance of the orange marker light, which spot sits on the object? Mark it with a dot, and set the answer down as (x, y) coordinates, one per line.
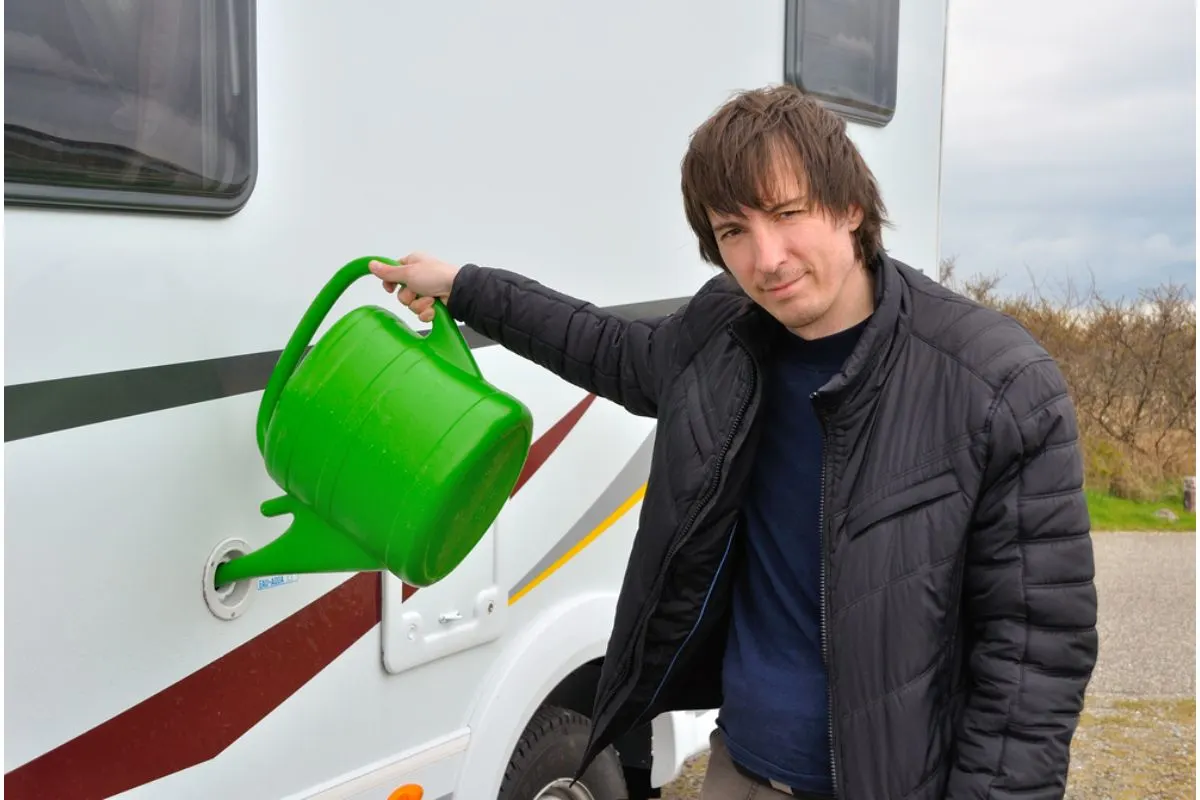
(409, 791)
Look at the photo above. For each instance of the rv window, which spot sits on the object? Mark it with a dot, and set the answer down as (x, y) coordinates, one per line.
(844, 52)
(129, 103)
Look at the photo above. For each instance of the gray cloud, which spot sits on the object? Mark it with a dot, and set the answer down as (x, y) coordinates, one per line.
(1070, 141)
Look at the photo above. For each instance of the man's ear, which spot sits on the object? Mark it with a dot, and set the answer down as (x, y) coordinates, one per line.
(854, 217)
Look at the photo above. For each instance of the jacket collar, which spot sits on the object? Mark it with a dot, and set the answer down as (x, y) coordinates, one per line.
(873, 356)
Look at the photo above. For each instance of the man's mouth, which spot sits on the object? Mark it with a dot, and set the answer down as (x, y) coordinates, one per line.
(783, 287)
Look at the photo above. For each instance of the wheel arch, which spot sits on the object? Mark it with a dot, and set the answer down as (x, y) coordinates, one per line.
(554, 656)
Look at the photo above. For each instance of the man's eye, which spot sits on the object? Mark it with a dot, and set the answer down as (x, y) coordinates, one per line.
(728, 232)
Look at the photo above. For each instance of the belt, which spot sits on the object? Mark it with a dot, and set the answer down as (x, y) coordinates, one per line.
(792, 791)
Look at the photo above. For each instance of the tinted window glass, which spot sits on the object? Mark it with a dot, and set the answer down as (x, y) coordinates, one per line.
(133, 103)
(844, 52)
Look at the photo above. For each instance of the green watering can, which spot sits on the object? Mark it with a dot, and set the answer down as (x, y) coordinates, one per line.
(393, 452)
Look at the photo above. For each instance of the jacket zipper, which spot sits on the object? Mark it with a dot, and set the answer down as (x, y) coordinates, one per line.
(824, 628)
(692, 632)
(677, 542)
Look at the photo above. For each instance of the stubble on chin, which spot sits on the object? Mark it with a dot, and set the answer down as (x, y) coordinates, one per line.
(792, 315)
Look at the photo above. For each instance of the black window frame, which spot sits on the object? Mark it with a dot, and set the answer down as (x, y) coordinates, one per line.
(50, 195)
(854, 110)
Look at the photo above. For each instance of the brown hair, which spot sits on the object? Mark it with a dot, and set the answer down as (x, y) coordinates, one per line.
(731, 157)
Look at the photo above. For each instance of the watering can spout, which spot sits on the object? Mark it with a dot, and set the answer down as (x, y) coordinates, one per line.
(308, 545)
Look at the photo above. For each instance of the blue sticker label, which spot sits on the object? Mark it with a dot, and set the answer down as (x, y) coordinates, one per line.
(276, 580)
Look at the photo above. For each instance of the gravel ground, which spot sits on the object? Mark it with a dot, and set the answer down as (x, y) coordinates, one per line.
(1136, 738)
(1146, 585)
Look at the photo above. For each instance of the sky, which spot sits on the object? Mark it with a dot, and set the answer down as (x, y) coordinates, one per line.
(1070, 143)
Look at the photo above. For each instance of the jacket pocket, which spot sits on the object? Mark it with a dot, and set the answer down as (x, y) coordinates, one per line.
(908, 497)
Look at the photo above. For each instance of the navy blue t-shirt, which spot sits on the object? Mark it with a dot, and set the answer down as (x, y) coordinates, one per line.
(774, 715)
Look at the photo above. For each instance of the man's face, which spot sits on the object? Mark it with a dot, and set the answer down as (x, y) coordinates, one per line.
(792, 259)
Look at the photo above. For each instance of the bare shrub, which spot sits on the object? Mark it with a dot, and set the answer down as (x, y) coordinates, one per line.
(1131, 368)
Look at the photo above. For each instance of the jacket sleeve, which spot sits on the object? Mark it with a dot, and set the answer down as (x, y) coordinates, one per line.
(624, 361)
(1029, 598)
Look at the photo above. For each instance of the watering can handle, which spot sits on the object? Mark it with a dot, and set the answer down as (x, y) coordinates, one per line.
(444, 337)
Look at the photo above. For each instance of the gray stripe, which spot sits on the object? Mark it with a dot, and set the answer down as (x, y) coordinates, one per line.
(34, 409)
(631, 476)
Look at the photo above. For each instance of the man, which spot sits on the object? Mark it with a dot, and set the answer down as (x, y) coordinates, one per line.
(871, 551)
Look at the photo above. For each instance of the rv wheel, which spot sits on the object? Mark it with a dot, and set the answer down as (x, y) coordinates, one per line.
(547, 755)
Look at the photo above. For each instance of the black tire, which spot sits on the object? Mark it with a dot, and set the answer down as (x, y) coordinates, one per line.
(550, 749)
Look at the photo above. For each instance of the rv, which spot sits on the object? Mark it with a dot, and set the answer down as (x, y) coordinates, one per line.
(181, 179)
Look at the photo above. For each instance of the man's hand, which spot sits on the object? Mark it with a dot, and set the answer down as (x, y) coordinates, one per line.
(423, 279)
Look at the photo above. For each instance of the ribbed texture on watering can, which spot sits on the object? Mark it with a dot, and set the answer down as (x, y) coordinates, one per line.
(394, 446)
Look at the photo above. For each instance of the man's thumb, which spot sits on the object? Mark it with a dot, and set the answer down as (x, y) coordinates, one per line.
(390, 273)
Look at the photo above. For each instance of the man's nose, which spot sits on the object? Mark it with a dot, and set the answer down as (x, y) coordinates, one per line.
(770, 251)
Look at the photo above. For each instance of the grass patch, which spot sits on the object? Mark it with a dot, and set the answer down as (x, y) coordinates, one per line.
(1116, 514)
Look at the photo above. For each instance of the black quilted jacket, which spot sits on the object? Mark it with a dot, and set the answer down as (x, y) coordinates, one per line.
(959, 607)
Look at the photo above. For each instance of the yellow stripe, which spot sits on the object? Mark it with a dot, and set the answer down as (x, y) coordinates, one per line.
(582, 543)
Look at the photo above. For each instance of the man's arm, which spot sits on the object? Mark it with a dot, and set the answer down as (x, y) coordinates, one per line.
(1030, 601)
(625, 361)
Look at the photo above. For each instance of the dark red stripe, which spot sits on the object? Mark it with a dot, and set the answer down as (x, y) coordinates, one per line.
(199, 716)
(549, 441)
(196, 718)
